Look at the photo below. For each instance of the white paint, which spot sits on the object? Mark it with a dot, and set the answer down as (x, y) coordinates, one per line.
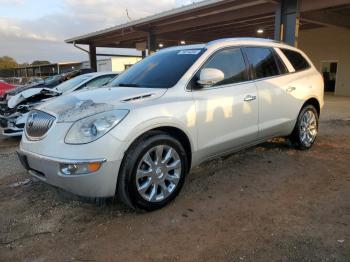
(216, 120)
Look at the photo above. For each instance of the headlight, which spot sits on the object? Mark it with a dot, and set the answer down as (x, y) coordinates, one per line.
(93, 127)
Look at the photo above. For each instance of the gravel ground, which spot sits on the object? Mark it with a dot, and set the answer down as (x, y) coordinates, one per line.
(267, 203)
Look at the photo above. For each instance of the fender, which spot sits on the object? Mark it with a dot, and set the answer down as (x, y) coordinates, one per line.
(154, 123)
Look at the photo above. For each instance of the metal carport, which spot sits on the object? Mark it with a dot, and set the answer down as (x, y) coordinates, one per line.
(213, 19)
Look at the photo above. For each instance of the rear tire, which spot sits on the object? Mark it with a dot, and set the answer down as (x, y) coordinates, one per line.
(306, 128)
(153, 171)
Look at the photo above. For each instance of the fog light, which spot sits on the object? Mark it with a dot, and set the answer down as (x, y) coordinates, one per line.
(80, 169)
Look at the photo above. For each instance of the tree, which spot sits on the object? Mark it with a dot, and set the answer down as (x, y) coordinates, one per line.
(7, 62)
(40, 62)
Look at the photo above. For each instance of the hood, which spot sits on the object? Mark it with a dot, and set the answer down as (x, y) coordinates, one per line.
(24, 95)
(20, 89)
(77, 105)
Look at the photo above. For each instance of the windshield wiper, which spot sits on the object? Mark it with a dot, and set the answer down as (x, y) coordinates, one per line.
(128, 84)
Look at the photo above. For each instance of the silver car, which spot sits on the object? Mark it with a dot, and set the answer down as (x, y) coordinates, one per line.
(139, 137)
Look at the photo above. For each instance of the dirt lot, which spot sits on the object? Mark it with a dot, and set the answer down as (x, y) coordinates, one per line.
(268, 203)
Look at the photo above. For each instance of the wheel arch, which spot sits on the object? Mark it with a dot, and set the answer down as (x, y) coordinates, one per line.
(174, 131)
(314, 102)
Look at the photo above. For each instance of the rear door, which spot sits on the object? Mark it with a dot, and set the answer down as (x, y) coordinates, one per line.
(272, 82)
(227, 112)
(301, 80)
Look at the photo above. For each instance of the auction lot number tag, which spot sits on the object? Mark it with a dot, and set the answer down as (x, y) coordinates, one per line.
(188, 52)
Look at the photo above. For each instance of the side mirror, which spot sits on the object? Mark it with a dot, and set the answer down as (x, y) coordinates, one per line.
(210, 76)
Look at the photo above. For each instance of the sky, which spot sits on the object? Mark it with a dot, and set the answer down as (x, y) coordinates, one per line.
(36, 29)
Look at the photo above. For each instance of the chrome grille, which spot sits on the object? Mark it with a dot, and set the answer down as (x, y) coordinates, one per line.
(38, 123)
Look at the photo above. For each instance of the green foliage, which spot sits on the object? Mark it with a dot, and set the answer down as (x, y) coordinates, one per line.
(40, 62)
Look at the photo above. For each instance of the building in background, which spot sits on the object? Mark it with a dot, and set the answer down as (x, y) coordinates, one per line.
(321, 28)
(40, 70)
(115, 63)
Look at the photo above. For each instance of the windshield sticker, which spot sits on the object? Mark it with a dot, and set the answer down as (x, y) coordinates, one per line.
(189, 52)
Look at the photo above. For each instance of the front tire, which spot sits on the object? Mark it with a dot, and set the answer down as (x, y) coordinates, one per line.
(306, 128)
(153, 171)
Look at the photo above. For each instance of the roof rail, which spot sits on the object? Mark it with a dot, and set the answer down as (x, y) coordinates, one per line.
(235, 39)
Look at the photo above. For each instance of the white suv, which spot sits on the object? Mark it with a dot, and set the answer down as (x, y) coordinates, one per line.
(139, 137)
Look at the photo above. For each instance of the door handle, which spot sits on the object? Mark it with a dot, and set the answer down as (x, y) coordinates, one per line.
(290, 89)
(249, 98)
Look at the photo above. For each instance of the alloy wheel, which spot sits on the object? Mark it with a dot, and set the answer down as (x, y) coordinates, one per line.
(158, 173)
(308, 128)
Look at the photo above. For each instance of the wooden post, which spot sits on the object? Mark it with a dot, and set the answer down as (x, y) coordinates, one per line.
(92, 57)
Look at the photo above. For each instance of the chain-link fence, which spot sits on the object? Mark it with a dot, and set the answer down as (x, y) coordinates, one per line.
(20, 80)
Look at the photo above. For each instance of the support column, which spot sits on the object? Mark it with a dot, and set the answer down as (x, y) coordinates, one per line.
(287, 21)
(151, 43)
(92, 57)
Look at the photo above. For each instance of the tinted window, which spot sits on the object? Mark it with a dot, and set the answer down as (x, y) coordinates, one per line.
(231, 63)
(262, 61)
(281, 66)
(160, 70)
(296, 59)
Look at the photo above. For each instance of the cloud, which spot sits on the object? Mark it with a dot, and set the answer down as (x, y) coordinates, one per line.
(11, 2)
(43, 38)
(13, 28)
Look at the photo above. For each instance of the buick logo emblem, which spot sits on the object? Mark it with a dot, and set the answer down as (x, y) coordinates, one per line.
(30, 120)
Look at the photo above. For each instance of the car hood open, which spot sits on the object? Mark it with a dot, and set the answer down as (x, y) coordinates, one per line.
(77, 105)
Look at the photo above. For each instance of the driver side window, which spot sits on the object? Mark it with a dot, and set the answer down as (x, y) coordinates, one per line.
(230, 61)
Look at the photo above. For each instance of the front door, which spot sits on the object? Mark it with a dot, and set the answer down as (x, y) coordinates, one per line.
(227, 112)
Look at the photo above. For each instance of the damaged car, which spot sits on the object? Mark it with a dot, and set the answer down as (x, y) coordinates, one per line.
(14, 109)
(50, 82)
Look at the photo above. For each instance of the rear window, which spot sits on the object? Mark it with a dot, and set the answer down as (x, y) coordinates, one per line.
(296, 59)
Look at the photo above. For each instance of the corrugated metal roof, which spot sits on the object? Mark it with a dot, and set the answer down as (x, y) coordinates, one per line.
(148, 19)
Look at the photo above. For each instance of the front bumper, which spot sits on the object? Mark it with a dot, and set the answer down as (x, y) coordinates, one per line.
(101, 183)
(44, 157)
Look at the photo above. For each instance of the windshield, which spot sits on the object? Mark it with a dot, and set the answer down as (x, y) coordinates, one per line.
(52, 79)
(160, 70)
(72, 83)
